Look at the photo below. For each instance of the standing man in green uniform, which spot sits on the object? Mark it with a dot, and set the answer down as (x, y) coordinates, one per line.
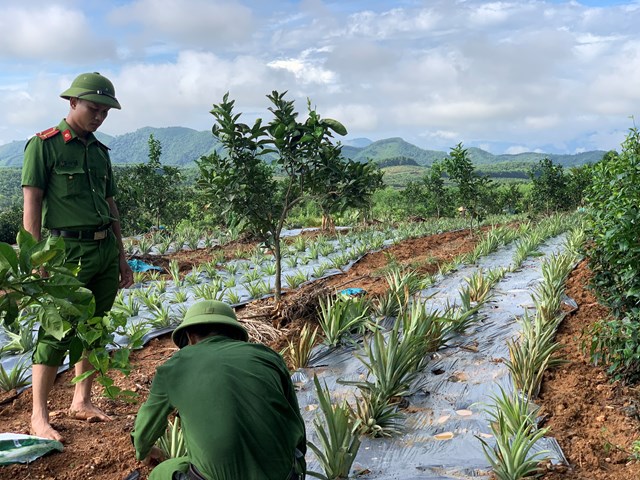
(238, 408)
(68, 188)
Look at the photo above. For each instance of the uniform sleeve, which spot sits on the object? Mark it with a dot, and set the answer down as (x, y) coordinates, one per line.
(34, 167)
(151, 421)
(292, 399)
(111, 189)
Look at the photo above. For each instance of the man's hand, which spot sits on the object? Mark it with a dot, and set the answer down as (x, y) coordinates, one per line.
(126, 274)
(156, 455)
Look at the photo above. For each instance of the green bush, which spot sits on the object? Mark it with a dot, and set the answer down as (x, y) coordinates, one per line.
(614, 256)
(616, 344)
(10, 223)
(614, 216)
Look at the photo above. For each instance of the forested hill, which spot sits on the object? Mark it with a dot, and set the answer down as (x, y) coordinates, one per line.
(397, 151)
(182, 146)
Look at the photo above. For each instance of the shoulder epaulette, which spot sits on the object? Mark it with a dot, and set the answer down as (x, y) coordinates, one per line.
(48, 133)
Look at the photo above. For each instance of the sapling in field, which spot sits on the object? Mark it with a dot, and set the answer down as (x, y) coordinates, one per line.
(180, 296)
(129, 307)
(21, 342)
(269, 268)
(378, 416)
(320, 270)
(145, 245)
(339, 316)
(154, 275)
(511, 457)
(532, 354)
(240, 182)
(296, 279)
(174, 270)
(339, 440)
(15, 378)
(299, 353)
(393, 361)
(232, 298)
(230, 282)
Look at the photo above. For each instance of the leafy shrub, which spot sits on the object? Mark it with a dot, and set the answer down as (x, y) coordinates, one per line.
(614, 256)
(616, 343)
(614, 217)
(10, 222)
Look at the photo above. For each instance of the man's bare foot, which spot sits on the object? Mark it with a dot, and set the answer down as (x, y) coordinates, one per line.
(90, 413)
(42, 428)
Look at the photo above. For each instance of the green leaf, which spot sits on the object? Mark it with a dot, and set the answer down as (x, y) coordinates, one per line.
(25, 240)
(42, 257)
(52, 322)
(8, 258)
(75, 350)
(83, 376)
(9, 305)
(335, 125)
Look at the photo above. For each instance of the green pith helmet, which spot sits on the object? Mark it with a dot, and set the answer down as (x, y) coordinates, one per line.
(93, 87)
(208, 312)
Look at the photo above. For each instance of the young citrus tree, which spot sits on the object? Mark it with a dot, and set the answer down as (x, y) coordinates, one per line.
(35, 276)
(267, 169)
(470, 187)
(346, 184)
(150, 194)
(429, 196)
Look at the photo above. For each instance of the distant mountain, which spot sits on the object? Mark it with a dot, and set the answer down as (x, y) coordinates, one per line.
(392, 148)
(11, 153)
(575, 160)
(357, 142)
(182, 146)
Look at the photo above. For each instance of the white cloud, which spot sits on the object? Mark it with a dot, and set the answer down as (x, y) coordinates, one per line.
(201, 23)
(491, 13)
(357, 117)
(389, 23)
(443, 135)
(306, 69)
(182, 92)
(543, 122)
(537, 73)
(52, 33)
(517, 149)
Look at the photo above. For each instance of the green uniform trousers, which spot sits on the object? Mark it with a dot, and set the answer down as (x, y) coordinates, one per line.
(166, 469)
(176, 469)
(100, 273)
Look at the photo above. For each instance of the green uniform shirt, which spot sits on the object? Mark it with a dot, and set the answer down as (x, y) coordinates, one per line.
(237, 405)
(76, 179)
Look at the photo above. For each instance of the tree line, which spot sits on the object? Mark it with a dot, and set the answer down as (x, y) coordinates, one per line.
(297, 168)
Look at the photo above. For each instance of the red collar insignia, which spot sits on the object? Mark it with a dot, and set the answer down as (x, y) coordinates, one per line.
(67, 136)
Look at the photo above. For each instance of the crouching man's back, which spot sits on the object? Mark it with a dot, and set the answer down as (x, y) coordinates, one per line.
(239, 412)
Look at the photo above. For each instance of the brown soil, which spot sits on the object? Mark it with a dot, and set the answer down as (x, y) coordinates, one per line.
(590, 417)
(594, 420)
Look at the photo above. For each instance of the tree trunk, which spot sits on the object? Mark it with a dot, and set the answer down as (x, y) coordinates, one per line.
(328, 223)
(278, 260)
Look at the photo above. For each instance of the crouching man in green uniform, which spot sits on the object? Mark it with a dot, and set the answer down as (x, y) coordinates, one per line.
(68, 187)
(238, 408)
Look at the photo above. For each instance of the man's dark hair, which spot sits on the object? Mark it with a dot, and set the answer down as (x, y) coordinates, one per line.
(204, 330)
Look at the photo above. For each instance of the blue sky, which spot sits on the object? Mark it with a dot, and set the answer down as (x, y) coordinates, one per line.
(507, 76)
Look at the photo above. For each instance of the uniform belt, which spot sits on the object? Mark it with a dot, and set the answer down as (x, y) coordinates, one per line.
(98, 234)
